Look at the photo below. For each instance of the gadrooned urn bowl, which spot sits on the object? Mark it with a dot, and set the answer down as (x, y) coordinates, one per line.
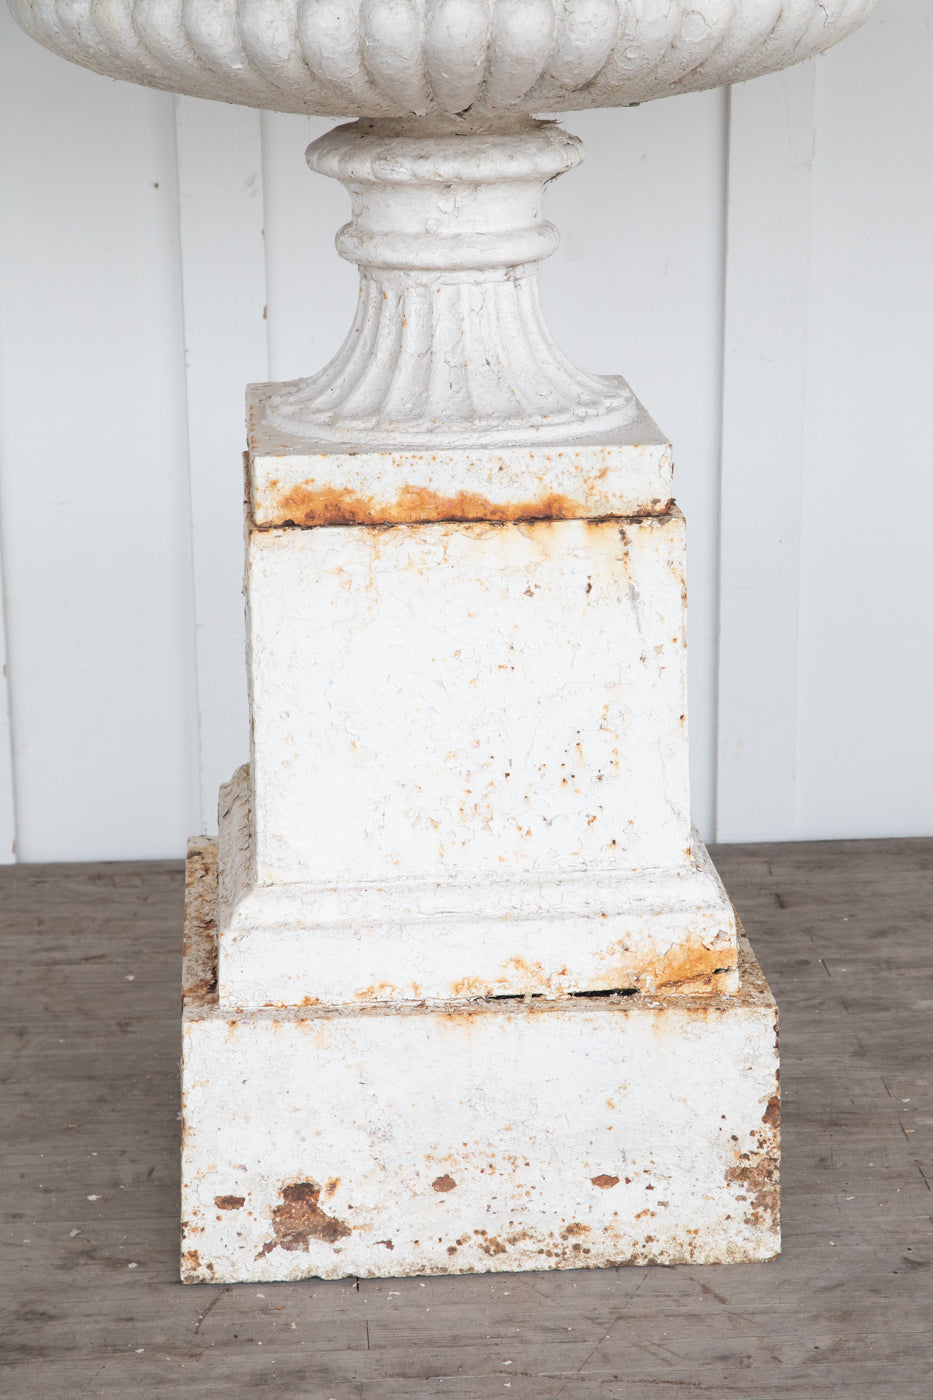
(391, 58)
(446, 171)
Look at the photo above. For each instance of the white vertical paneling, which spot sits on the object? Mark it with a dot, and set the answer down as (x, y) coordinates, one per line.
(312, 291)
(636, 289)
(771, 136)
(93, 475)
(865, 751)
(7, 802)
(224, 280)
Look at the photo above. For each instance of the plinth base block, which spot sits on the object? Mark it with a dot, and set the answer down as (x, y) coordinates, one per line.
(496, 1136)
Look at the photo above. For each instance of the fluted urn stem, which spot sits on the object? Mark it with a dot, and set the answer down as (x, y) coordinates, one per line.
(448, 345)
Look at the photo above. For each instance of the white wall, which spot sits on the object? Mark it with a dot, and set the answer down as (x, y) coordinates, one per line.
(865, 738)
(96, 541)
(756, 263)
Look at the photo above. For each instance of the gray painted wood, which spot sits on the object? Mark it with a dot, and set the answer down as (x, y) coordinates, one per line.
(89, 1096)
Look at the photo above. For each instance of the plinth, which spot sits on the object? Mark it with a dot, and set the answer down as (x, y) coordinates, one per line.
(382, 1140)
(468, 993)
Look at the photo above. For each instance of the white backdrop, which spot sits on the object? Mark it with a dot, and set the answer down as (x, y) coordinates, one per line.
(758, 263)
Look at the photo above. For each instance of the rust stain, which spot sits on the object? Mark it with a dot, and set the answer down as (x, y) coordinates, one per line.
(388, 1243)
(772, 1114)
(757, 1177)
(574, 1230)
(300, 1219)
(604, 1181)
(469, 987)
(307, 504)
(492, 1246)
(532, 972)
(192, 1270)
(384, 991)
(463, 1020)
(229, 1202)
(691, 970)
(443, 1183)
(200, 937)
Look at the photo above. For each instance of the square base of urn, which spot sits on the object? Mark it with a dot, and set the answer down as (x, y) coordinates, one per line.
(499, 1135)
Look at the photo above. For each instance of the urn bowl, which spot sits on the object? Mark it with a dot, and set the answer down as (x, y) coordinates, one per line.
(393, 58)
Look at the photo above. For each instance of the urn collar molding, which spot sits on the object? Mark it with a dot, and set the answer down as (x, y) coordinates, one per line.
(448, 347)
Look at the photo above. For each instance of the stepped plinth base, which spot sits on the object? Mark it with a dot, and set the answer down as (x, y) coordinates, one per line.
(496, 1135)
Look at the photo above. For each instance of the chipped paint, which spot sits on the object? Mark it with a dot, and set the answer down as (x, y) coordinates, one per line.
(298, 1219)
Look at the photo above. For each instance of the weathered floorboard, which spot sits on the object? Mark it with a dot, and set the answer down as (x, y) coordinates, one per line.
(90, 1306)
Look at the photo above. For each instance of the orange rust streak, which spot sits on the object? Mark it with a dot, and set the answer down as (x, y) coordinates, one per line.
(307, 505)
(470, 987)
(690, 970)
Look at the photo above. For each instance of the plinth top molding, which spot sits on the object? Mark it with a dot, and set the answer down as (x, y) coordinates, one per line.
(390, 58)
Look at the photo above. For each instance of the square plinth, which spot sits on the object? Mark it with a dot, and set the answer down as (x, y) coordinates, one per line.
(469, 768)
(497, 1135)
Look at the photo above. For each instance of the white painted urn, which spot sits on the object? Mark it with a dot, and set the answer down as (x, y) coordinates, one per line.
(458, 952)
(446, 167)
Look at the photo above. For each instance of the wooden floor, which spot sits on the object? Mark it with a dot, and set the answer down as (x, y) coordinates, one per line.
(89, 1094)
